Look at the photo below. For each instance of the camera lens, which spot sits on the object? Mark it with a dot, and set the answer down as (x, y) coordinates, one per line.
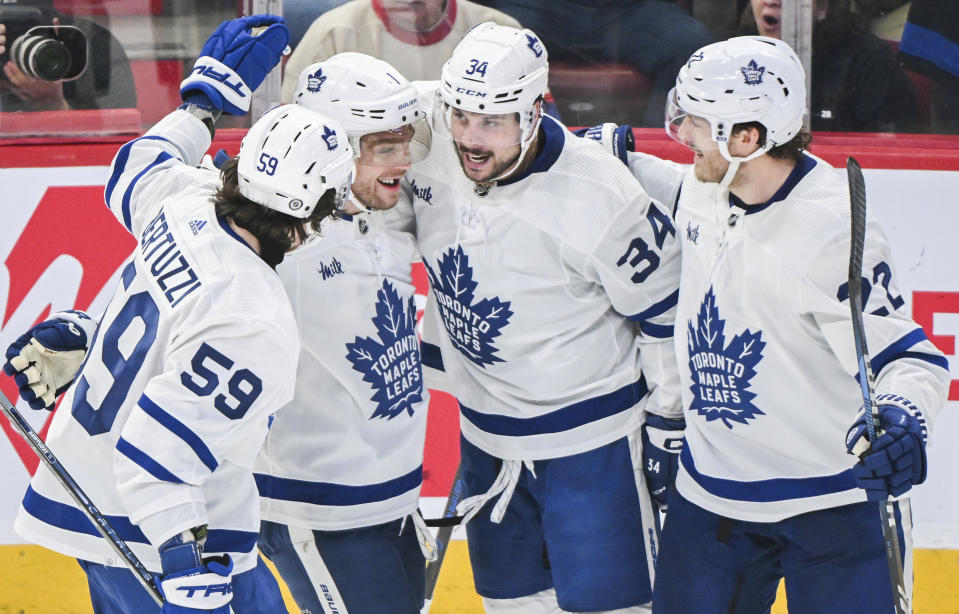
(41, 57)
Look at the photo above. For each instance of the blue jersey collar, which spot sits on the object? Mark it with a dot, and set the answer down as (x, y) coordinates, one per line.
(225, 225)
(554, 136)
(799, 171)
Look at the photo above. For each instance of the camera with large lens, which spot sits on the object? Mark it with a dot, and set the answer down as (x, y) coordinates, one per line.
(40, 49)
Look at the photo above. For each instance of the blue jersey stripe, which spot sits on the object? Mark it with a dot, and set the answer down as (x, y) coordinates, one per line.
(120, 165)
(431, 356)
(327, 493)
(125, 203)
(564, 418)
(658, 309)
(69, 518)
(658, 331)
(897, 350)
(230, 540)
(766, 491)
(146, 462)
(180, 430)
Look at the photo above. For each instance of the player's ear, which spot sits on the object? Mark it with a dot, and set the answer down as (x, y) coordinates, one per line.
(745, 140)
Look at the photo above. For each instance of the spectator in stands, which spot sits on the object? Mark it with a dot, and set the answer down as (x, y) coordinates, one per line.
(415, 36)
(107, 82)
(655, 36)
(857, 86)
(930, 45)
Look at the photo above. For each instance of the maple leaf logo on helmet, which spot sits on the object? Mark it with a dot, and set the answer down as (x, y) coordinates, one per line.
(753, 73)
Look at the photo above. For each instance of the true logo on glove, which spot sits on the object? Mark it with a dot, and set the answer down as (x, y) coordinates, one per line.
(211, 73)
(208, 590)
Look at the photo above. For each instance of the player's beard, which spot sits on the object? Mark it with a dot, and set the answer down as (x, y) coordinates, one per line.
(498, 167)
(711, 166)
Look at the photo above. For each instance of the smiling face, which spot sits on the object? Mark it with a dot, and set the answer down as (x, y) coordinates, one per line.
(384, 159)
(487, 145)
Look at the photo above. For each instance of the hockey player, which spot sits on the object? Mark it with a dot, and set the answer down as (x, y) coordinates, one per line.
(339, 504)
(197, 347)
(768, 487)
(554, 278)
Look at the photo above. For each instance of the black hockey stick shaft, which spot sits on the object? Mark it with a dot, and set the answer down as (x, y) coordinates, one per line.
(890, 533)
(444, 533)
(86, 506)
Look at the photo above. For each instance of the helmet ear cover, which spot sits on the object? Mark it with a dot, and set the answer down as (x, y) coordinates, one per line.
(289, 159)
(742, 80)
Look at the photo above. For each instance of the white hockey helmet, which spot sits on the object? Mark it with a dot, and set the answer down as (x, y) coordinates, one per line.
(740, 80)
(365, 95)
(496, 70)
(290, 158)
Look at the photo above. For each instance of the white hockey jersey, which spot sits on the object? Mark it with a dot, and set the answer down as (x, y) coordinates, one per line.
(347, 452)
(196, 349)
(557, 290)
(764, 333)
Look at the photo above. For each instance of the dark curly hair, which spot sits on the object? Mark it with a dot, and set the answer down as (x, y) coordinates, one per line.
(790, 150)
(274, 230)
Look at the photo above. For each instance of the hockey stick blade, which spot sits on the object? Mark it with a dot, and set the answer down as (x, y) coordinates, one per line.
(89, 510)
(857, 203)
(443, 536)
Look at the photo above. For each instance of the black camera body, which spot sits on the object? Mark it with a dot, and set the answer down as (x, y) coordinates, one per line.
(40, 49)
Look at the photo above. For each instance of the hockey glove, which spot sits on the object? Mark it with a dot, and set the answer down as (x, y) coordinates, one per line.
(617, 140)
(44, 360)
(896, 461)
(662, 443)
(192, 584)
(234, 62)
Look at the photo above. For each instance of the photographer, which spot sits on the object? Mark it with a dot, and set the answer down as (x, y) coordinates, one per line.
(105, 83)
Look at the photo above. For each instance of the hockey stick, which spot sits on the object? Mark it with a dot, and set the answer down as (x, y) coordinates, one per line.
(86, 506)
(443, 537)
(857, 202)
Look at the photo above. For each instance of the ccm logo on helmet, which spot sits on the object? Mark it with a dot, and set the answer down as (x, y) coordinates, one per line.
(469, 92)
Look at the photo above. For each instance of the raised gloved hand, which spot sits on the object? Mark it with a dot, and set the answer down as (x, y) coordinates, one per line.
(617, 140)
(44, 360)
(191, 583)
(892, 464)
(234, 61)
(662, 443)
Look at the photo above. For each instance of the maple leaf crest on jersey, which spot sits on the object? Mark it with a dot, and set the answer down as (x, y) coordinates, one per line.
(391, 364)
(471, 327)
(722, 374)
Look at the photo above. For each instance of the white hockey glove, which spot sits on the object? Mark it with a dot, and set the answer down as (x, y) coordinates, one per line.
(662, 443)
(190, 583)
(896, 461)
(234, 62)
(617, 140)
(44, 360)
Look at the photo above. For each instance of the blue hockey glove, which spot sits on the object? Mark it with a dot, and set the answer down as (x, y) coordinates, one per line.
(662, 443)
(233, 63)
(191, 583)
(892, 464)
(44, 360)
(617, 140)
